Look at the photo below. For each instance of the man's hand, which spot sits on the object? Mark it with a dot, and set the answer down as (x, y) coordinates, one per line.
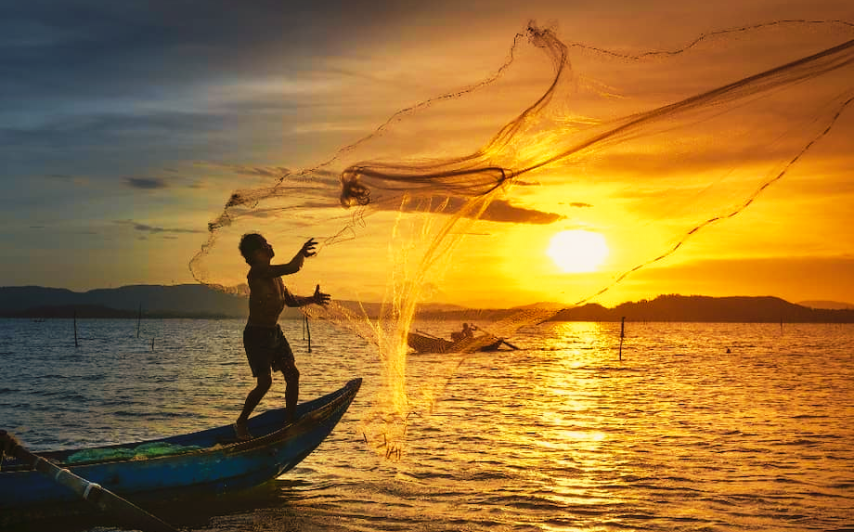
(308, 248)
(319, 297)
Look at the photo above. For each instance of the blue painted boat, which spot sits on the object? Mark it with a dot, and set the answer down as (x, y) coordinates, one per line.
(199, 464)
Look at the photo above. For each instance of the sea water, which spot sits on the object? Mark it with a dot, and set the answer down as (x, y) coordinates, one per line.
(701, 426)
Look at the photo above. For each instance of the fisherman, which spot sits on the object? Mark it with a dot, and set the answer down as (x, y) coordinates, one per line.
(467, 332)
(265, 345)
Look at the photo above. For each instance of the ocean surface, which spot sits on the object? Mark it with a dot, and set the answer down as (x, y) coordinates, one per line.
(700, 427)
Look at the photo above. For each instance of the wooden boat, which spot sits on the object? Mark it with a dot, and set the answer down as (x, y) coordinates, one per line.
(423, 343)
(203, 463)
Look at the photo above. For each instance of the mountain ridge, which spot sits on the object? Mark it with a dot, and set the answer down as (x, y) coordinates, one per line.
(152, 301)
(199, 301)
(824, 304)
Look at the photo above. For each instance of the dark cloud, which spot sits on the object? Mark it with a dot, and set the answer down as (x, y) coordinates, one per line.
(260, 171)
(239, 212)
(498, 211)
(107, 87)
(104, 144)
(114, 82)
(101, 49)
(256, 171)
(155, 230)
(68, 179)
(103, 129)
(503, 211)
(146, 183)
(577, 204)
(317, 178)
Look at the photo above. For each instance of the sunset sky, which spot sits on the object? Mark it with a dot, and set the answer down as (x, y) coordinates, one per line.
(125, 127)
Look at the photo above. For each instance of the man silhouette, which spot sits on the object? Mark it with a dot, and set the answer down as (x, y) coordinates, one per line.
(266, 347)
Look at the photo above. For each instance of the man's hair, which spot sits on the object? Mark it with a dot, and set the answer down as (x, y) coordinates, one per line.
(249, 243)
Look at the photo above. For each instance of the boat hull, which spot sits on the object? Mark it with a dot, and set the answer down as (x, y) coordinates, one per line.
(425, 344)
(210, 462)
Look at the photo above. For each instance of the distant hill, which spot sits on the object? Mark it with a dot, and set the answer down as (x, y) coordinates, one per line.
(708, 309)
(542, 306)
(102, 312)
(178, 301)
(674, 308)
(187, 300)
(831, 305)
(199, 301)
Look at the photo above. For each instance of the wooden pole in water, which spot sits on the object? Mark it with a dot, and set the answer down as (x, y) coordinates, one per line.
(308, 331)
(622, 335)
(138, 320)
(75, 328)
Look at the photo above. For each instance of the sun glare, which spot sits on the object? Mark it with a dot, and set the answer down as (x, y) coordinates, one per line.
(578, 251)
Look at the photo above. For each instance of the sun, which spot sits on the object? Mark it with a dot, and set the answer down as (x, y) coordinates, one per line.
(578, 251)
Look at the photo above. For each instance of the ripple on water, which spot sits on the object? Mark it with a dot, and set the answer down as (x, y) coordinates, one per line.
(560, 436)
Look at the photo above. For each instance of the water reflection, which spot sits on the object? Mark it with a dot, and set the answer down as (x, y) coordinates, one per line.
(558, 436)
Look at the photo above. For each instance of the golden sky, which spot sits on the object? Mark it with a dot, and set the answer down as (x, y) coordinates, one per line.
(125, 132)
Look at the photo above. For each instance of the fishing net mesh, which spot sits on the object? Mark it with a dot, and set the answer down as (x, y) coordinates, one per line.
(554, 139)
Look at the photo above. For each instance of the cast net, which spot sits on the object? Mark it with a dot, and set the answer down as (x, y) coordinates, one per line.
(459, 194)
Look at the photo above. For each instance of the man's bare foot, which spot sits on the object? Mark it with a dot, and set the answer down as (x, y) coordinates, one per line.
(241, 431)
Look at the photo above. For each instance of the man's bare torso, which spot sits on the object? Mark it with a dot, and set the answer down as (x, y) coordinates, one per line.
(266, 299)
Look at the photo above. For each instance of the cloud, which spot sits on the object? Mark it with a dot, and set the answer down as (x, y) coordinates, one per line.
(498, 211)
(85, 139)
(154, 229)
(146, 183)
(502, 211)
(80, 49)
(274, 172)
(74, 180)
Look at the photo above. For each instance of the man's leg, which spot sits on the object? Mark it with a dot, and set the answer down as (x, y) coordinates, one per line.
(252, 400)
(284, 361)
(291, 374)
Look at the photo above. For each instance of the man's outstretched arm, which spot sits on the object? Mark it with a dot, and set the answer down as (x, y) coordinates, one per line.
(319, 298)
(278, 270)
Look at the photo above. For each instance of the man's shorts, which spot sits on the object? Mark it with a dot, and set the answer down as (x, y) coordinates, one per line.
(268, 350)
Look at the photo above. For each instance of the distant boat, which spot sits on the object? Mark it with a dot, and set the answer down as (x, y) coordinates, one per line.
(426, 343)
(202, 463)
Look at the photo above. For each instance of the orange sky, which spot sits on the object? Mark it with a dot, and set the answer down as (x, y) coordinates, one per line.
(126, 197)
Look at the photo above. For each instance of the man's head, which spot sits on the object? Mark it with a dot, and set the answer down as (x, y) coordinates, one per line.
(251, 244)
